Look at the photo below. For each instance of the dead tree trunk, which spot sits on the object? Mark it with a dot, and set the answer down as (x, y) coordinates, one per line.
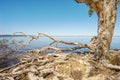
(107, 12)
(106, 23)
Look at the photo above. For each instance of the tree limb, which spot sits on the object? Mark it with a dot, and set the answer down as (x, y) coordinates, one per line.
(90, 46)
(80, 1)
(93, 4)
(111, 66)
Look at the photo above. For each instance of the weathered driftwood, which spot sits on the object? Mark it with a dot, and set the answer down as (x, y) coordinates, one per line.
(58, 66)
(90, 46)
(110, 66)
(43, 66)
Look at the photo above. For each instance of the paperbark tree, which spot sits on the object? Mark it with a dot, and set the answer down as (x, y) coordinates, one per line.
(107, 12)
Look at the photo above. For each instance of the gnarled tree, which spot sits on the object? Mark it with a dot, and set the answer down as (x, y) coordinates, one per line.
(107, 12)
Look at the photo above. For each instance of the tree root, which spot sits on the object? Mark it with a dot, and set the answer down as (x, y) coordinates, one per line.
(42, 66)
(55, 66)
(110, 66)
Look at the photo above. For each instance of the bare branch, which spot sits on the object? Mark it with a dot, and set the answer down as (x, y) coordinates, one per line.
(55, 40)
(20, 33)
(86, 1)
(111, 66)
(80, 1)
(77, 45)
(57, 50)
(93, 4)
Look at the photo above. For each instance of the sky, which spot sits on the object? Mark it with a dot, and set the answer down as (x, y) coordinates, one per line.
(54, 17)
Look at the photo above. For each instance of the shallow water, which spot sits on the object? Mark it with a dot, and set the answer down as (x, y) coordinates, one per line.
(44, 41)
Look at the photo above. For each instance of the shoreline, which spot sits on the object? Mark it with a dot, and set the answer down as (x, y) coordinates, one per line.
(71, 66)
(8, 59)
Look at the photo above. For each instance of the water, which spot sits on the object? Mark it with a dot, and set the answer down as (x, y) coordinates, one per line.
(44, 41)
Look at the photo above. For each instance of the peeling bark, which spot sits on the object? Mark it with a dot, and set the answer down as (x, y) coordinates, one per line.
(107, 12)
(106, 23)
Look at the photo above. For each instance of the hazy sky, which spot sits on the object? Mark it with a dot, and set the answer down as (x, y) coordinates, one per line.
(55, 17)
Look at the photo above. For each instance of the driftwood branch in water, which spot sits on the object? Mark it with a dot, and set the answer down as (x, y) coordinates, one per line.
(90, 46)
(77, 45)
(51, 63)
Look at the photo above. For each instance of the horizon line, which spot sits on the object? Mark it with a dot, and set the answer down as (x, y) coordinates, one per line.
(55, 35)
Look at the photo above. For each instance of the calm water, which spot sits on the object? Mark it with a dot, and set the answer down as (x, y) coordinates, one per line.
(44, 41)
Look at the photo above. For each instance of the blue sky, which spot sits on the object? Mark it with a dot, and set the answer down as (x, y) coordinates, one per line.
(54, 17)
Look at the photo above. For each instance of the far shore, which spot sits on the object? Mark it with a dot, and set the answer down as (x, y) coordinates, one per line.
(8, 35)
